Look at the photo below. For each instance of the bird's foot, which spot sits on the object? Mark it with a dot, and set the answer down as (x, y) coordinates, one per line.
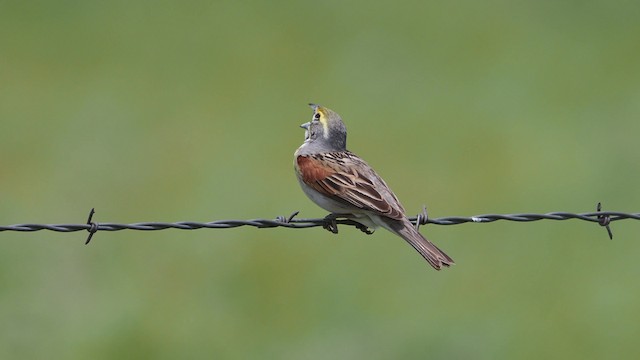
(330, 223)
(363, 228)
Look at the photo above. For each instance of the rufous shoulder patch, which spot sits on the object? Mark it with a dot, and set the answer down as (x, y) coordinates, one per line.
(312, 170)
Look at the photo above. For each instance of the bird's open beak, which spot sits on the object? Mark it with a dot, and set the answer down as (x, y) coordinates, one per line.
(305, 126)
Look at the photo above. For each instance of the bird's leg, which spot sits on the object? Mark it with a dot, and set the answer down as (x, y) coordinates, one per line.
(363, 228)
(330, 223)
(358, 225)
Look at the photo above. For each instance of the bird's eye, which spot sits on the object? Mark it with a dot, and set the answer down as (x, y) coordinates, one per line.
(317, 116)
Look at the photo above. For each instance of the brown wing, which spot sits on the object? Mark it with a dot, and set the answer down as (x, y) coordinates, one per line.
(347, 178)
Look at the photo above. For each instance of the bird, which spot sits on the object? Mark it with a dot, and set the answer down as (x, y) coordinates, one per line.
(342, 183)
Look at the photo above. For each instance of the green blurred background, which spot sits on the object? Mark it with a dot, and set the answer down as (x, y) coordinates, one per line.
(169, 111)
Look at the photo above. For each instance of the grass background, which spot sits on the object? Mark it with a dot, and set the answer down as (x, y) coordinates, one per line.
(168, 111)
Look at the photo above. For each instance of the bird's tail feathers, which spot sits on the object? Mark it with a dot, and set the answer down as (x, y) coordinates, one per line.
(434, 256)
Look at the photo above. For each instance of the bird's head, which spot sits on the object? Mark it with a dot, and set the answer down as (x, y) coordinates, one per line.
(326, 129)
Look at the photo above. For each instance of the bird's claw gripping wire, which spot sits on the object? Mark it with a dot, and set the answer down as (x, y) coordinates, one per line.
(604, 220)
(330, 223)
(363, 228)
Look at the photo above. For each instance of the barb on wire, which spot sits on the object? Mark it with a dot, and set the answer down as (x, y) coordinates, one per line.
(330, 222)
(422, 218)
(93, 226)
(604, 220)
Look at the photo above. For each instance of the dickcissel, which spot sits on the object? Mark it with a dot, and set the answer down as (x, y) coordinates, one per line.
(340, 182)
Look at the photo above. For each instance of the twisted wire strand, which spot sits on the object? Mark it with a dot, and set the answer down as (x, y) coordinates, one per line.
(603, 218)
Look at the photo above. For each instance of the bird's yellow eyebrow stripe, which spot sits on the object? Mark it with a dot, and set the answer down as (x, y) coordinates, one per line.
(323, 121)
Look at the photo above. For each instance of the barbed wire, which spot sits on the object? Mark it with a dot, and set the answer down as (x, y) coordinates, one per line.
(331, 222)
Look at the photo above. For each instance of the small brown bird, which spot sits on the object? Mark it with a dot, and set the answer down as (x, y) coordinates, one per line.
(345, 185)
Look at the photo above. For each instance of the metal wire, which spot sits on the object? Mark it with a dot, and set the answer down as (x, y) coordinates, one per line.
(603, 218)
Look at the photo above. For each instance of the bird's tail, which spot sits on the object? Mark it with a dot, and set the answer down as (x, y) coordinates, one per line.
(436, 257)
